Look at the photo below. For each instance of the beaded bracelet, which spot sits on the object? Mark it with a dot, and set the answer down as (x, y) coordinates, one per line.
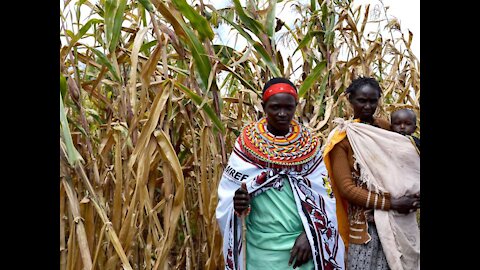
(246, 212)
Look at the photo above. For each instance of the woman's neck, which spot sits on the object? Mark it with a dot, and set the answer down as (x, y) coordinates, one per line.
(368, 120)
(277, 132)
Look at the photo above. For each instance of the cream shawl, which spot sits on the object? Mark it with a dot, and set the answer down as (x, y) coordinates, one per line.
(388, 162)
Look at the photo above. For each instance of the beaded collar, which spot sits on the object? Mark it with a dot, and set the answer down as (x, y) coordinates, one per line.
(297, 147)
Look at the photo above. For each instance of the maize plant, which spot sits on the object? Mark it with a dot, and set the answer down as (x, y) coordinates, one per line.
(151, 103)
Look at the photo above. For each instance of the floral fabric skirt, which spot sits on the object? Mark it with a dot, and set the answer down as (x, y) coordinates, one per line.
(367, 256)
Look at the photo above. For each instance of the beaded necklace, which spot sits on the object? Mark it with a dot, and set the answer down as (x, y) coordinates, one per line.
(297, 147)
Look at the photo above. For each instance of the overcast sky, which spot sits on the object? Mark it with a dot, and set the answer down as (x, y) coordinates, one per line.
(407, 12)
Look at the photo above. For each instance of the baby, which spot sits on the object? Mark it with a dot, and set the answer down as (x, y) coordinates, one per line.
(404, 121)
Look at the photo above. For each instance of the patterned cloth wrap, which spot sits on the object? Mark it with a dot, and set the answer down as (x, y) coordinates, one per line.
(388, 162)
(263, 161)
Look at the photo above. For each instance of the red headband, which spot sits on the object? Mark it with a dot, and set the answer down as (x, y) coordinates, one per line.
(279, 88)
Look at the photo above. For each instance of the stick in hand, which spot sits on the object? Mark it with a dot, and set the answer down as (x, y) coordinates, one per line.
(244, 234)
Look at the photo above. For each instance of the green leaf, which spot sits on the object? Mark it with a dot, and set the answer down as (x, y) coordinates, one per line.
(145, 47)
(102, 59)
(230, 14)
(113, 20)
(321, 93)
(84, 30)
(258, 47)
(252, 25)
(117, 24)
(179, 71)
(110, 7)
(143, 15)
(267, 59)
(330, 32)
(94, 115)
(198, 100)
(73, 156)
(203, 65)
(146, 4)
(324, 9)
(63, 86)
(313, 5)
(70, 33)
(239, 29)
(198, 22)
(310, 80)
(242, 80)
(199, 54)
(306, 40)
(81, 2)
(225, 53)
(270, 20)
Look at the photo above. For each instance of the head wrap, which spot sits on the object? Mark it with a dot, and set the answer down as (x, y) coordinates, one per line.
(279, 88)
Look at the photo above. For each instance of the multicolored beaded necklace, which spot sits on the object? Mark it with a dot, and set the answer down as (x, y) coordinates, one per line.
(297, 147)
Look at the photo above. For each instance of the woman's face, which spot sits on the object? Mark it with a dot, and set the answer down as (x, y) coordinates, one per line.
(364, 102)
(280, 109)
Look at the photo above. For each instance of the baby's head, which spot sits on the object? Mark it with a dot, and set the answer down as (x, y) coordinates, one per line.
(404, 121)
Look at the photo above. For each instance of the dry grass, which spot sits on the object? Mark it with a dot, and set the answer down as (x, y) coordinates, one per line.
(146, 131)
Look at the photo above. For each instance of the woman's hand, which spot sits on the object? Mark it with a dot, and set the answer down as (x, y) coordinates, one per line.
(301, 251)
(241, 199)
(405, 204)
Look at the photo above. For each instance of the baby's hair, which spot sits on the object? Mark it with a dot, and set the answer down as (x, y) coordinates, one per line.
(407, 110)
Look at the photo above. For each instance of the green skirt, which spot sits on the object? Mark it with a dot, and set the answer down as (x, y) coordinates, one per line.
(273, 225)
